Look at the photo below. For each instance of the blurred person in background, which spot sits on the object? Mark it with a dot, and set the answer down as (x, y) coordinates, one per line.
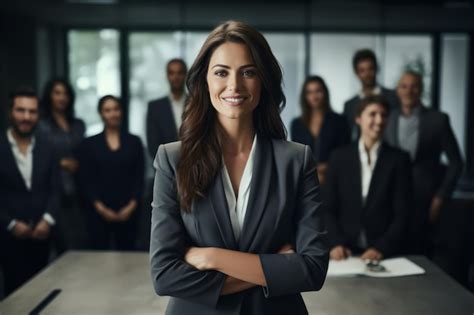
(319, 126)
(366, 67)
(367, 195)
(111, 176)
(65, 131)
(426, 135)
(29, 192)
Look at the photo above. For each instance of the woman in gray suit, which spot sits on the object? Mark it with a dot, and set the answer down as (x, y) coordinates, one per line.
(236, 223)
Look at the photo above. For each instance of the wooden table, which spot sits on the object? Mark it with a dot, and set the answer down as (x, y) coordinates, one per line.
(118, 283)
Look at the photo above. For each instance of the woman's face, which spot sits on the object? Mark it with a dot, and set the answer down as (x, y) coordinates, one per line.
(372, 121)
(314, 93)
(233, 82)
(59, 98)
(111, 113)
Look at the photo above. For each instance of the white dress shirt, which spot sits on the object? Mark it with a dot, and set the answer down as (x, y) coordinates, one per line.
(368, 160)
(177, 106)
(238, 207)
(376, 91)
(24, 163)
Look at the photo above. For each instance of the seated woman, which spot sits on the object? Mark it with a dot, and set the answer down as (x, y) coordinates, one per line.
(112, 175)
(368, 190)
(236, 225)
(319, 127)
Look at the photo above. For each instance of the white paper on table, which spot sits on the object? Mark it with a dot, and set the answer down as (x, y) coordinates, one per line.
(353, 266)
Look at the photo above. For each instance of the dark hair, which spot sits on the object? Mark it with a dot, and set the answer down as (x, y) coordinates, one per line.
(372, 99)
(416, 75)
(305, 109)
(46, 101)
(105, 98)
(177, 60)
(364, 54)
(201, 155)
(21, 91)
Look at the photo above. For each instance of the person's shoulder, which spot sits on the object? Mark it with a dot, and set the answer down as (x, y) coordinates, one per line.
(171, 150)
(159, 101)
(395, 152)
(352, 100)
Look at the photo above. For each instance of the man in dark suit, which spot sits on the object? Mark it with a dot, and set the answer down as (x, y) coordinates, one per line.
(426, 134)
(365, 67)
(164, 115)
(29, 186)
(367, 195)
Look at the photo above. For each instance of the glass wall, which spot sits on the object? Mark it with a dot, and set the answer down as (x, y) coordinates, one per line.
(289, 49)
(454, 78)
(94, 67)
(93, 72)
(149, 54)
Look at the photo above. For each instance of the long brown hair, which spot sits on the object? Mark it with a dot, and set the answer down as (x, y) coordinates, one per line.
(305, 108)
(201, 155)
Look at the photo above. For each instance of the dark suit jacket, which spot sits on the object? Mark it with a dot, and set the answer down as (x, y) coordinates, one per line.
(385, 214)
(333, 134)
(350, 109)
(160, 124)
(16, 201)
(435, 137)
(284, 207)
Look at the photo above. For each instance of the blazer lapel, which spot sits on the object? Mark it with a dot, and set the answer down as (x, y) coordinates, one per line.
(37, 153)
(391, 134)
(11, 160)
(221, 212)
(355, 169)
(377, 175)
(259, 188)
(422, 131)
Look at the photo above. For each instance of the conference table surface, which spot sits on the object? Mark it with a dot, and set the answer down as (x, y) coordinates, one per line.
(103, 283)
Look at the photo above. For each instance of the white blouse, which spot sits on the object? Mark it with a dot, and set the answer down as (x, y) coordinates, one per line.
(238, 207)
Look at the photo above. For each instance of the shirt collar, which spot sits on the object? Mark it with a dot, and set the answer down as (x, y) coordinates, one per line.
(376, 91)
(374, 151)
(180, 101)
(13, 142)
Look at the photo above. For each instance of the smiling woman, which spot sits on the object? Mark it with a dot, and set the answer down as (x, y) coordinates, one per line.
(236, 207)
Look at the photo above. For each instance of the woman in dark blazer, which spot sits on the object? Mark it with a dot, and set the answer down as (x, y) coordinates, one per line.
(59, 124)
(368, 191)
(319, 127)
(236, 223)
(112, 175)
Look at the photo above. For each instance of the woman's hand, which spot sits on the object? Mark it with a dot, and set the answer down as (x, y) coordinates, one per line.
(70, 165)
(286, 249)
(372, 254)
(340, 252)
(126, 212)
(200, 258)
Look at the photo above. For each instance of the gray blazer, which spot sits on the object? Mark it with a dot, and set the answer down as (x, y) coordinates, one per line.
(284, 207)
(160, 124)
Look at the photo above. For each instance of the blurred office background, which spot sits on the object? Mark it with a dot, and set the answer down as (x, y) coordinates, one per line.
(121, 47)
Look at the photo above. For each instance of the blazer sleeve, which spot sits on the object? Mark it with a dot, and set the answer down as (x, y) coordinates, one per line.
(305, 270)
(455, 166)
(402, 200)
(139, 170)
(152, 130)
(88, 171)
(171, 275)
(331, 205)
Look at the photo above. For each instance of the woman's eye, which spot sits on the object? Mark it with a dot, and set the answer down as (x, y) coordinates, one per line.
(220, 73)
(249, 73)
